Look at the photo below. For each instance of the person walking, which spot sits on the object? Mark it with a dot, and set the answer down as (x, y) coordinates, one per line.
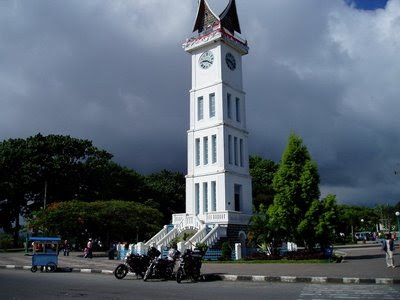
(388, 247)
(89, 247)
(66, 248)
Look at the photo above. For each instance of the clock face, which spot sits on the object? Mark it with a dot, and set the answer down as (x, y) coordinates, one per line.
(206, 59)
(230, 61)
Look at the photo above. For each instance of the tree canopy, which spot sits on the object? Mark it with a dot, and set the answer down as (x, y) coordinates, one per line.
(41, 170)
(262, 172)
(106, 221)
(296, 186)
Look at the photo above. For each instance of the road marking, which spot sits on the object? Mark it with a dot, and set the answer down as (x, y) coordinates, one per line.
(354, 291)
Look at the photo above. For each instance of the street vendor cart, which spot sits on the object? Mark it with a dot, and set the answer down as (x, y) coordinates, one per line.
(45, 253)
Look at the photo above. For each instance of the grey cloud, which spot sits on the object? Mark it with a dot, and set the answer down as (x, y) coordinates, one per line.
(114, 72)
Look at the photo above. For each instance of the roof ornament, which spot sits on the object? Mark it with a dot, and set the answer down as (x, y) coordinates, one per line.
(229, 18)
(206, 18)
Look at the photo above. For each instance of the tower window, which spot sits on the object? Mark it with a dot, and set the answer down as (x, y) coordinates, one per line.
(214, 148)
(230, 149)
(205, 150)
(212, 105)
(238, 196)
(213, 195)
(200, 113)
(229, 106)
(235, 150)
(197, 152)
(238, 109)
(205, 197)
(197, 198)
(241, 152)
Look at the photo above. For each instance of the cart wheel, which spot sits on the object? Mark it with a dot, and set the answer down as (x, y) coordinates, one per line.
(34, 269)
(51, 267)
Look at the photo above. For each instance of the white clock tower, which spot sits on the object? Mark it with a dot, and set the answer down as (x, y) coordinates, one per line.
(218, 184)
(218, 177)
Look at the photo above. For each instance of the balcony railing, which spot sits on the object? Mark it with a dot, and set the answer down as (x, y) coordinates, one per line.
(227, 217)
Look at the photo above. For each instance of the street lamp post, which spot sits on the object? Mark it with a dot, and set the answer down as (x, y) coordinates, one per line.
(398, 224)
(363, 234)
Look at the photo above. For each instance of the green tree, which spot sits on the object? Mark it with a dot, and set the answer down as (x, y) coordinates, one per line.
(349, 219)
(15, 185)
(58, 168)
(296, 186)
(166, 192)
(107, 221)
(261, 230)
(325, 230)
(262, 173)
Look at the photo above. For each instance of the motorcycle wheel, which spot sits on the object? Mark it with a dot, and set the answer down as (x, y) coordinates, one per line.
(195, 276)
(179, 275)
(147, 274)
(120, 271)
(140, 273)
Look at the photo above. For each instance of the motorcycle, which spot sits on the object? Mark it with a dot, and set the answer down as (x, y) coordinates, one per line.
(162, 267)
(134, 263)
(190, 265)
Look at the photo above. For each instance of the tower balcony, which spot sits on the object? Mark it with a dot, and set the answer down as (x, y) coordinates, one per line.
(215, 217)
(213, 34)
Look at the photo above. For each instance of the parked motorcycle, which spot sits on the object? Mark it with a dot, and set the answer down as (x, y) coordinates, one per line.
(134, 263)
(190, 265)
(162, 267)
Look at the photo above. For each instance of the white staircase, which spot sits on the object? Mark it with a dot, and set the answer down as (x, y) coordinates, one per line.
(188, 222)
(214, 235)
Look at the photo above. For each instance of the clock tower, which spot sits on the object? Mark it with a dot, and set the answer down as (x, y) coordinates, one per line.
(218, 184)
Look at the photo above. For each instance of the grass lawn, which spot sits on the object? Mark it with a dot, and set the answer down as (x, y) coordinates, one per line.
(272, 261)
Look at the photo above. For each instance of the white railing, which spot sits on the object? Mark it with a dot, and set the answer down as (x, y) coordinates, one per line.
(189, 222)
(212, 237)
(177, 218)
(197, 237)
(226, 217)
(160, 235)
(168, 238)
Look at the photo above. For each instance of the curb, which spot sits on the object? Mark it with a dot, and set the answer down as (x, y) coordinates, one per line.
(247, 278)
(302, 279)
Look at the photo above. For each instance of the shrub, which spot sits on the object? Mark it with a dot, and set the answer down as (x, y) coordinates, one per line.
(6, 241)
(202, 247)
(226, 251)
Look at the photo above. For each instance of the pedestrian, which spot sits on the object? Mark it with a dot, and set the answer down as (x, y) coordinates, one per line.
(85, 252)
(388, 247)
(66, 248)
(89, 247)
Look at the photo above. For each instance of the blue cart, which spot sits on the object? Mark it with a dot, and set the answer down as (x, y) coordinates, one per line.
(45, 253)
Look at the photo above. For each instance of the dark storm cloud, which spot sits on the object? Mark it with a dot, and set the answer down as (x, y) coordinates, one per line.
(114, 72)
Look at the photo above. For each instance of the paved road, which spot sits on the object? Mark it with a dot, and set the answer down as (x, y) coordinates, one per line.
(17, 284)
(362, 262)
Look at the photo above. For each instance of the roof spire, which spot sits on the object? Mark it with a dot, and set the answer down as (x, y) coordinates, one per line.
(205, 17)
(229, 17)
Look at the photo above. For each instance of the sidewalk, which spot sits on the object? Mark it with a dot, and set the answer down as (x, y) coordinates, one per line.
(361, 265)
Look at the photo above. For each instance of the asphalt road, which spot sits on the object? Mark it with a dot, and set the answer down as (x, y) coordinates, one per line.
(18, 284)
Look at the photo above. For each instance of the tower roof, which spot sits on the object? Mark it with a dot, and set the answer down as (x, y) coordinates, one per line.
(229, 17)
(206, 17)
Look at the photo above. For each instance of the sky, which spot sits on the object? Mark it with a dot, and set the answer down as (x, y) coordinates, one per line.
(114, 72)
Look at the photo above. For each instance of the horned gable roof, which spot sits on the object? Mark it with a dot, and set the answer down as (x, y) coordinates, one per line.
(206, 17)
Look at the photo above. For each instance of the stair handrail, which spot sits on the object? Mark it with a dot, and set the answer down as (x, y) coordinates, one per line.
(213, 236)
(197, 237)
(159, 235)
(168, 237)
